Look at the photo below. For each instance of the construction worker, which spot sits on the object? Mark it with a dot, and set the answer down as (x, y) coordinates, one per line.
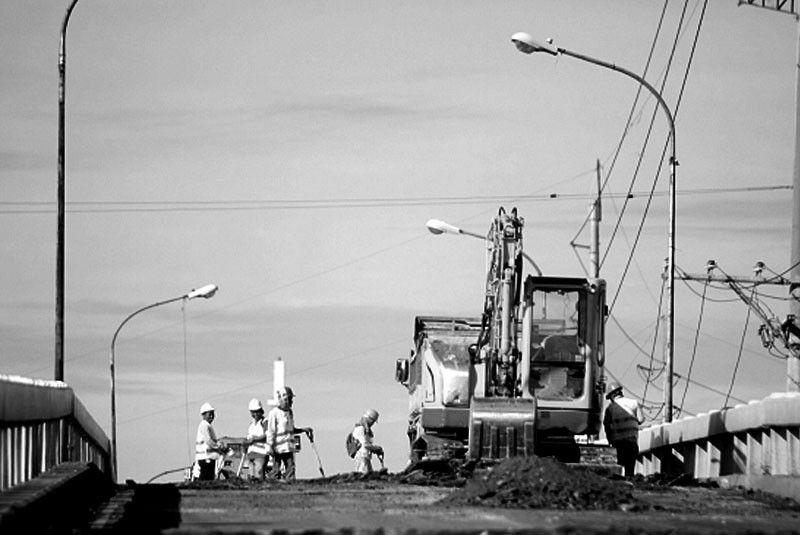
(256, 440)
(621, 423)
(363, 434)
(280, 435)
(207, 448)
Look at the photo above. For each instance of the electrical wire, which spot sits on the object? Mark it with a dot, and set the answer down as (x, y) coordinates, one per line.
(628, 121)
(646, 142)
(705, 386)
(739, 356)
(694, 346)
(646, 209)
(655, 337)
(110, 207)
(628, 336)
(661, 161)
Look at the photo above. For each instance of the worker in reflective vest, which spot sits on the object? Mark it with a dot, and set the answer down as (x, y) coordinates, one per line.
(256, 440)
(362, 432)
(207, 448)
(621, 423)
(280, 435)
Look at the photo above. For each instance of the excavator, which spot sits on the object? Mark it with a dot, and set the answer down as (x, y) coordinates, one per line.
(523, 378)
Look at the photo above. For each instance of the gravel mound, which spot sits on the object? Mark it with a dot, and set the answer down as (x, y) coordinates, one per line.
(542, 483)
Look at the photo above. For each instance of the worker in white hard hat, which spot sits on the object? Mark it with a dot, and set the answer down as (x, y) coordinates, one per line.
(281, 433)
(207, 448)
(621, 423)
(363, 434)
(256, 440)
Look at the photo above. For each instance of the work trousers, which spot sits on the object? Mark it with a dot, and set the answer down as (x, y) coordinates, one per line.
(285, 459)
(627, 451)
(257, 463)
(208, 467)
(363, 464)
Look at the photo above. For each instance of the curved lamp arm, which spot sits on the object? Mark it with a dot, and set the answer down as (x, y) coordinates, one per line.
(206, 292)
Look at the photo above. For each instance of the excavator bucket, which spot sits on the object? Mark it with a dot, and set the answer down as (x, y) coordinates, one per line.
(501, 427)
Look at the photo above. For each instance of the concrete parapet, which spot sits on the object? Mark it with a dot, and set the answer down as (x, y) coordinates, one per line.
(746, 443)
(42, 424)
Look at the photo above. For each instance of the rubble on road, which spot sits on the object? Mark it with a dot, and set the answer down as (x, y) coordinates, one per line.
(535, 482)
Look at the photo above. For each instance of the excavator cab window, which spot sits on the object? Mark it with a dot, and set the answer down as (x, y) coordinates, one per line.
(558, 358)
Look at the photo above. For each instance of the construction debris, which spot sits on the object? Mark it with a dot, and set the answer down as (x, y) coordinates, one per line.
(534, 482)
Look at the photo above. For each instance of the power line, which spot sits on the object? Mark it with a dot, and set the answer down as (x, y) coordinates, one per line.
(696, 338)
(628, 122)
(657, 173)
(739, 355)
(107, 206)
(646, 142)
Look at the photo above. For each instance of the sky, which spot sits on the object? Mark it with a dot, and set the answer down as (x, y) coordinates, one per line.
(291, 153)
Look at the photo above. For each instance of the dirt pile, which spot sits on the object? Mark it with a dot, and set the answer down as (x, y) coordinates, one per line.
(444, 473)
(534, 483)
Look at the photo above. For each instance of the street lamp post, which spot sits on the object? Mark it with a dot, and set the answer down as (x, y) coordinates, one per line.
(436, 226)
(205, 292)
(527, 44)
(62, 73)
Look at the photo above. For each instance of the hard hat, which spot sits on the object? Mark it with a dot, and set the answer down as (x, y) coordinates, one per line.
(285, 392)
(615, 388)
(206, 407)
(371, 415)
(255, 405)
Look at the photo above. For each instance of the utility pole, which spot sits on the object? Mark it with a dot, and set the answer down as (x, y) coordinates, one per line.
(597, 216)
(793, 362)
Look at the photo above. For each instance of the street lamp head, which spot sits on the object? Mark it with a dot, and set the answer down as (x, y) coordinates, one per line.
(206, 292)
(436, 226)
(527, 44)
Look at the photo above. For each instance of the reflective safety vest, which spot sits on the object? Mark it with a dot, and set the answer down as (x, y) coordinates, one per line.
(621, 421)
(256, 432)
(280, 430)
(205, 434)
(363, 434)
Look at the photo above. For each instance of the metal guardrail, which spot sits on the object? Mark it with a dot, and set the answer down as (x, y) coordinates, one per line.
(43, 424)
(755, 445)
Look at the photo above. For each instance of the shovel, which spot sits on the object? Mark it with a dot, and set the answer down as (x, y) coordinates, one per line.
(316, 454)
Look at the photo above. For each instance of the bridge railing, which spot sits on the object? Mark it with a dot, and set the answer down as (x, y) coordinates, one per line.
(42, 424)
(746, 445)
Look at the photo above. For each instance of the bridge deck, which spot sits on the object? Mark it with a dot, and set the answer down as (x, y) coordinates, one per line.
(380, 506)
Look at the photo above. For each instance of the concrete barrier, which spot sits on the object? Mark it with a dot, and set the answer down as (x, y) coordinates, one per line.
(756, 445)
(60, 500)
(43, 424)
